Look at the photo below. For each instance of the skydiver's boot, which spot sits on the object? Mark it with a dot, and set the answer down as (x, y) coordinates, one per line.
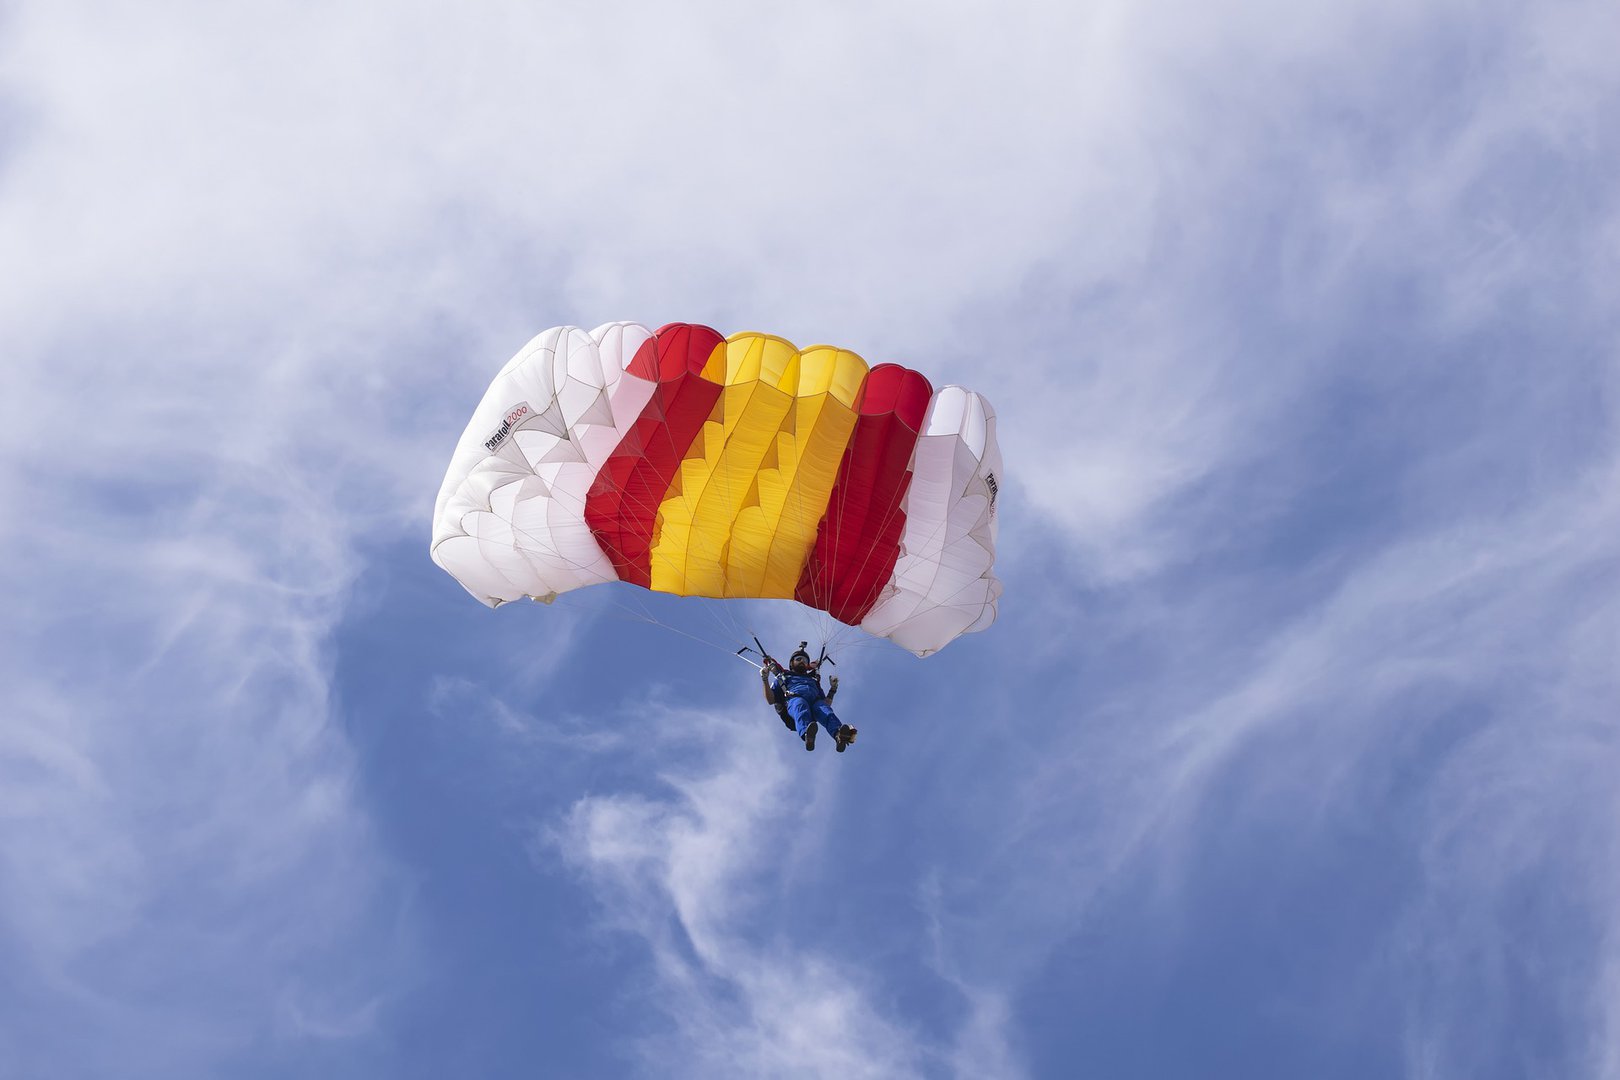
(810, 736)
(843, 737)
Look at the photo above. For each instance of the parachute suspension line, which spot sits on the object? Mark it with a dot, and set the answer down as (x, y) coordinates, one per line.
(648, 617)
(831, 571)
(715, 610)
(828, 629)
(720, 614)
(799, 497)
(807, 526)
(825, 576)
(888, 517)
(694, 637)
(727, 626)
(734, 624)
(641, 614)
(628, 614)
(818, 584)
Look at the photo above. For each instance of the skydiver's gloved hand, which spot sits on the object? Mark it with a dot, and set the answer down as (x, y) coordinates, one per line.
(833, 682)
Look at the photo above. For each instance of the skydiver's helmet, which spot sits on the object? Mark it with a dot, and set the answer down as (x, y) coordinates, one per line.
(799, 661)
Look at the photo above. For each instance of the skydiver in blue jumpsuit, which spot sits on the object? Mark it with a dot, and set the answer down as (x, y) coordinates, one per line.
(798, 698)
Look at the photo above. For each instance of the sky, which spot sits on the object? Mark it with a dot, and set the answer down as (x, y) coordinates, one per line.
(1292, 752)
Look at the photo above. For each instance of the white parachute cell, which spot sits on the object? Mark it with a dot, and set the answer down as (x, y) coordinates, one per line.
(510, 517)
(944, 584)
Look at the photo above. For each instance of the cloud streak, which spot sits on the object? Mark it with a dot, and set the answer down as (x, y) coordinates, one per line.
(697, 876)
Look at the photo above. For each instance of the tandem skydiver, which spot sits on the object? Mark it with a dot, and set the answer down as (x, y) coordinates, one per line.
(796, 693)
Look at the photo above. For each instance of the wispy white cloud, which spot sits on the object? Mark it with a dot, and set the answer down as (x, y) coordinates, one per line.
(703, 874)
(1450, 693)
(182, 841)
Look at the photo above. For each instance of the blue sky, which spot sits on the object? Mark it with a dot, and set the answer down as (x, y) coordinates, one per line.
(1291, 754)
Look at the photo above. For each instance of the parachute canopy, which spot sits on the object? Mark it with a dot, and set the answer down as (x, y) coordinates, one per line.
(689, 463)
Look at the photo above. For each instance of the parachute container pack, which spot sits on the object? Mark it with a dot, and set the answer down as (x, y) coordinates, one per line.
(690, 463)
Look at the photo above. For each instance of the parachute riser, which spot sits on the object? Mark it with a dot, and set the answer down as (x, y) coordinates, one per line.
(768, 662)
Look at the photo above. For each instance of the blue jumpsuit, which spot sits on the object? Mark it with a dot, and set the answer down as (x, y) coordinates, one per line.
(806, 703)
